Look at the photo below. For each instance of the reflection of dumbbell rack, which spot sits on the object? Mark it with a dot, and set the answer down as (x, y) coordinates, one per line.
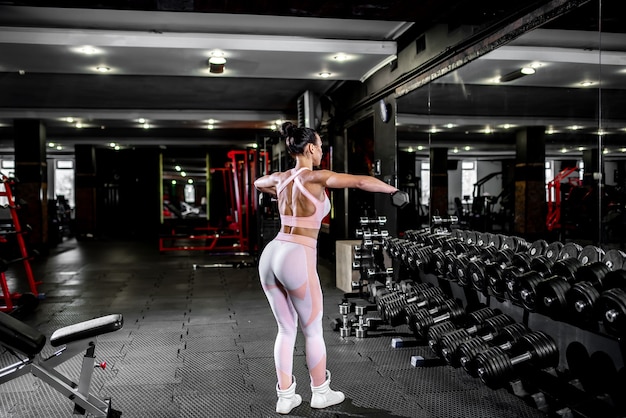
(28, 300)
(369, 257)
(440, 224)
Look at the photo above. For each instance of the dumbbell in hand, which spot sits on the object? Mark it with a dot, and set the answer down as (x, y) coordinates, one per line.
(400, 198)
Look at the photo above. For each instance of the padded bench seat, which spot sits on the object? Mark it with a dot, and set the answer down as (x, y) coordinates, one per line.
(19, 336)
(87, 329)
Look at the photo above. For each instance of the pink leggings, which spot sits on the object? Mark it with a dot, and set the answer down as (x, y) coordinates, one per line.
(288, 273)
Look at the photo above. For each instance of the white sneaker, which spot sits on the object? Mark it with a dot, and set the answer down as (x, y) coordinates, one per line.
(287, 399)
(323, 396)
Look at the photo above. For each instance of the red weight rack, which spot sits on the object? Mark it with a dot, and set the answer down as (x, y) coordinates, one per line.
(8, 297)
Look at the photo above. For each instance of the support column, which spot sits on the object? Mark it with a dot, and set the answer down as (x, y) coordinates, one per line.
(385, 152)
(593, 180)
(438, 182)
(31, 171)
(85, 183)
(530, 184)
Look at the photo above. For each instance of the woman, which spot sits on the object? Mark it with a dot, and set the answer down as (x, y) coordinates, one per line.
(288, 264)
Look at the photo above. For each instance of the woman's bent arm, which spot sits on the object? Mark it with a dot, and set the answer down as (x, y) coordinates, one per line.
(267, 183)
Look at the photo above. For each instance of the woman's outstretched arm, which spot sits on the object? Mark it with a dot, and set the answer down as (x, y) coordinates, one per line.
(367, 183)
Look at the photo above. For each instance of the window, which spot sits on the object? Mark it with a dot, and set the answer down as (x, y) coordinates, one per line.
(425, 175)
(549, 166)
(64, 180)
(468, 178)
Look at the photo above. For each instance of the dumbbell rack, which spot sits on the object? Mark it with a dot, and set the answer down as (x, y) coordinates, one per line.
(555, 385)
(368, 259)
(368, 255)
(8, 297)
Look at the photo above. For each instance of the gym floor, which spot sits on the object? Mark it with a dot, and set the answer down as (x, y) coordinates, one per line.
(198, 341)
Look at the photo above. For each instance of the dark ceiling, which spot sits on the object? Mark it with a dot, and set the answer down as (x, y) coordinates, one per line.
(157, 53)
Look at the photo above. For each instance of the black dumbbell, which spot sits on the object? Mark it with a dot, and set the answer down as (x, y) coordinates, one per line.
(490, 327)
(611, 311)
(462, 263)
(472, 319)
(581, 298)
(399, 313)
(422, 319)
(436, 332)
(467, 351)
(494, 366)
(519, 284)
(400, 198)
(615, 259)
(551, 294)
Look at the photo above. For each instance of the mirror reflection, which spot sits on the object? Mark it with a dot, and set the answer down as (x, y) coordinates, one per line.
(529, 134)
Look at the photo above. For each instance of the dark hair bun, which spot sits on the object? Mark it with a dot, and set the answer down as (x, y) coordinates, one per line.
(287, 129)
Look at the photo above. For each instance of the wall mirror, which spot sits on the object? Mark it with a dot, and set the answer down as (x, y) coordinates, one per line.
(566, 77)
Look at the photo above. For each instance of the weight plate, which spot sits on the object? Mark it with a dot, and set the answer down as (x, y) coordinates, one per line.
(581, 299)
(570, 250)
(538, 248)
(614, 259)
(554, 250)
(591, 254)
(496, 241)
(471, 237)
(611, 310)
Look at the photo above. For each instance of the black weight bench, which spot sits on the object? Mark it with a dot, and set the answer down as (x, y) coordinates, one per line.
(26, 343)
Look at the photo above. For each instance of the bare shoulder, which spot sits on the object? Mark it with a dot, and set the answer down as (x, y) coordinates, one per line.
(319, 176)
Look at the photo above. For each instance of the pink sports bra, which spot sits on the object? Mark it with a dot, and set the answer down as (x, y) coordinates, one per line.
(322, 208)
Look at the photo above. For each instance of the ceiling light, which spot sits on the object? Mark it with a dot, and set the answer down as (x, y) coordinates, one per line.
(88, 50)
(79, 125)
(102, 69)
(340, 57)
(146, 125)
(217, 62)
(467, 148)
(51, 144)
(514, 75)
(211, 121)
(586, 83)
(141, 120)
(455, 150)
(210, 126)
(324, 74)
